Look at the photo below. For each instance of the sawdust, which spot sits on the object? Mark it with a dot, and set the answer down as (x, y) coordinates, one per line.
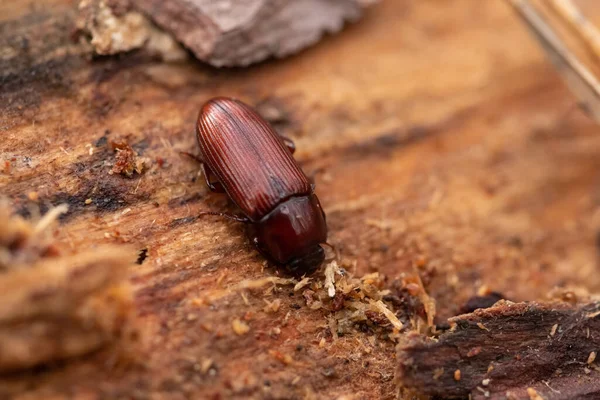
(127, 161)
(349, 304)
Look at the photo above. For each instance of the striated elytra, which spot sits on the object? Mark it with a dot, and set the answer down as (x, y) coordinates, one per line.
(243, 156)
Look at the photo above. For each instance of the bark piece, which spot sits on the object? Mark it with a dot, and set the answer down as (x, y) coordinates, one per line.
(238, 33)
(507, 351)
(58, 306)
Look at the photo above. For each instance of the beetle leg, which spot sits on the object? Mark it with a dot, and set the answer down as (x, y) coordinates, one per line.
(192, 156)
(260, 250)
(289, 143)
(214, 186)
(232, 217)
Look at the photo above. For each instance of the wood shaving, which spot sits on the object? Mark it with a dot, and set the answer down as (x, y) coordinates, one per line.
(239, 327)
(243, 285)
(382, 308)
(301, 284)
(245, 298)
(49, 218)
(593, 315)
(591, 358)
(355, 300)
(415, 288)
(206, 365)
(482, 326)
(272, 307)
(281, 357)
(23, 242)
(330, 271)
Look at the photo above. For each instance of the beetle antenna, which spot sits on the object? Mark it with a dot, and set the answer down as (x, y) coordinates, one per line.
(232, 217)
(192, 156)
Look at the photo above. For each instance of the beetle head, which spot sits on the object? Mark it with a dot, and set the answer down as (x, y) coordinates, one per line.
(308, 262)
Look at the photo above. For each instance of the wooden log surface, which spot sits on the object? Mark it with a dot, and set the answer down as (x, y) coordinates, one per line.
(438, 134)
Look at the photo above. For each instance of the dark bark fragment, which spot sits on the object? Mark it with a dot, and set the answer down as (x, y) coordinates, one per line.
(509, 351)
(481, 301)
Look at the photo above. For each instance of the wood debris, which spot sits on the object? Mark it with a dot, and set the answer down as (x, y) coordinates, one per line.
(516, 342)
(272, 306)
(355, 302)
(22, 242)
(591, 358)
(457, 375)
(382, 308)
(113, 27)
(52, 305)
(243, 285)
(301, 284)
(240, 327)
(330, 270)
(127, 161)
(281, 357)
(409, 296)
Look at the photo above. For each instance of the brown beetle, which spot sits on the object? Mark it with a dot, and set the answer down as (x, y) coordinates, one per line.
(255, 167)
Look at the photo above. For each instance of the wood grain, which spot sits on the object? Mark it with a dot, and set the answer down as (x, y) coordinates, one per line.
(441, 136)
